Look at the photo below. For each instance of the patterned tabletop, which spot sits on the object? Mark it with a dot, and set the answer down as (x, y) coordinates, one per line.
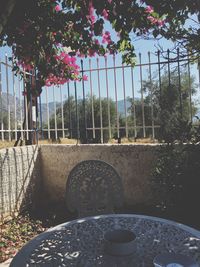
(81, 242)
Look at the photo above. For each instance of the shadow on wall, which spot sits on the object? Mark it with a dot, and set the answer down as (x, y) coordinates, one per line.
(20, 181)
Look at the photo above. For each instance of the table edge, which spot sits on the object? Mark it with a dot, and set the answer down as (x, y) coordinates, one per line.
(28, 247)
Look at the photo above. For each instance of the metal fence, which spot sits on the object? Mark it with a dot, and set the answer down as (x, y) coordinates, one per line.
(13, 103)
(117, 100)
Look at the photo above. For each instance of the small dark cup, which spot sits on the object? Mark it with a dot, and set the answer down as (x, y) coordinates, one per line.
(120, 242)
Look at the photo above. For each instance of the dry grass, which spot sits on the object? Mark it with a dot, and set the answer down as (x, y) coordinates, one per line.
(60, 141)
(133, 141)
(6, 144)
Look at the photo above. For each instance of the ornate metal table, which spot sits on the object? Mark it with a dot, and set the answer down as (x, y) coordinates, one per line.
(81, 242)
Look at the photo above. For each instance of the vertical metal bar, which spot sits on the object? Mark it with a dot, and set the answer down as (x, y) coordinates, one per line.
(36, 123)
(179, 84)
(198, 69)
(3, 138)
(84, 105)
(77, 117)
(159, 75)
(190, 90)
(30, 107)
(91, 94)
(15, 108)
(26, 107)
(8, 99)
(100, 105)
(116, 99)
(168, 66)
(125, 109)
(142, 97)
(41, 121)
(151, 97)
(1, 103)
(47, 106)
(70, 117)
(21, 112)
(55, 117)
(108, 101)
(134, 111)
(62, 113)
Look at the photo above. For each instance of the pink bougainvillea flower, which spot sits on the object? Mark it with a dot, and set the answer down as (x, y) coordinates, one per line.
(91, 53)
(158, 22)
(96, 41)
(85, 77)
(27, 67)
(161, 23)
(106, 38)
(105, 14)
(91, 10)
(152, 19)
(73, 61)
(24, 93)
(68, 68)
(80, 54)
(57, 8)
(91, 16)
(109, 1)
(66, 59)
(92, 19)
(149, 9)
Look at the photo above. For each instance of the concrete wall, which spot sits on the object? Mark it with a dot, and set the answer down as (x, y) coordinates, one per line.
(19, 178)
(32, 175)
(132, 162)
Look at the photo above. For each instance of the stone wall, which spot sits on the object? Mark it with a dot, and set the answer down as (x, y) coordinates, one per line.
(132, 162)
(19, 179)
(32, 176)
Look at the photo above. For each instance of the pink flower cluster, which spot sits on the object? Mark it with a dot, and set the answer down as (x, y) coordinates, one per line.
(85, 77)
(155, 21)
(69, 69)
(149, 9)
(91, 52)
(57, 8)
(106, 38)
(53, 80)
(105, 14)
(25, 66)
(91, 16)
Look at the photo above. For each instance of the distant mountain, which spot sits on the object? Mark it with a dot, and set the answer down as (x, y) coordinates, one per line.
(58, 105)
(11, 100)
(121, 108)
(20, 105)
(44, 106)
(51, 110)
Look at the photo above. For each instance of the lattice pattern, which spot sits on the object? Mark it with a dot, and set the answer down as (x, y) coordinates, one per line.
(19, 179)
(81, 243)
(93, 187)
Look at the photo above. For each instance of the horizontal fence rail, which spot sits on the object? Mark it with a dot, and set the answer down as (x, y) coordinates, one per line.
(118, 101)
